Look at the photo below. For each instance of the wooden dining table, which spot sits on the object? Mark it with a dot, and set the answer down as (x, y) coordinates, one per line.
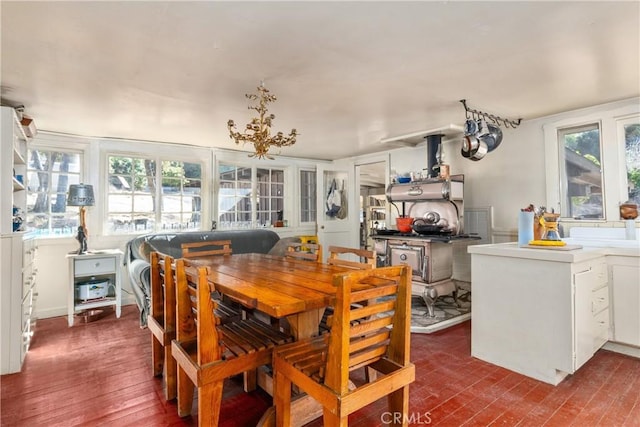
(280, 287)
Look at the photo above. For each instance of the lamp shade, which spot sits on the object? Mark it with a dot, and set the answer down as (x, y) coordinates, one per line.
(80, 195)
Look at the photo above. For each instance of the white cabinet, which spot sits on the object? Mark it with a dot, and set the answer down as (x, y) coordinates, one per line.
(18, 298)
(17, 248)
(625, 296)
(99, 269)
(538, 312)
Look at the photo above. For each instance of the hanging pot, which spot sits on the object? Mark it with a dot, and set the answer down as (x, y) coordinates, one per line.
(469, 145)
(493, 138)
(470, 127)
(480, 151)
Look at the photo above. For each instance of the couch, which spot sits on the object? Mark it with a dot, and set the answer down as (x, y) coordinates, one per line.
(138, 250)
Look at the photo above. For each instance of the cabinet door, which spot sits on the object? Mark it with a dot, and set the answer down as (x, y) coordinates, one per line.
(626, 303)
(583, 283)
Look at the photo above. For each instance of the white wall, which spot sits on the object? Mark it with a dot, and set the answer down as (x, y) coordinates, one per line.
(514, 174)
(507, 179)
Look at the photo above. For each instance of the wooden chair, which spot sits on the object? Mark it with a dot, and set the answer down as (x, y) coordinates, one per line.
(206, 351)
(336, 251)
(161, 321)
(162, 318)
(304, 251)
(206, 248)
(376, 335)
(334, 259)
(211, 248)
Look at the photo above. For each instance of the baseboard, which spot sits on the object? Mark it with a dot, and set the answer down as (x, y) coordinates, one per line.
(62, 311)
(629, 350)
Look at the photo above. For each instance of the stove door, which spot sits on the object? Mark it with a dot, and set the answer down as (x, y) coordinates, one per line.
(413, 256)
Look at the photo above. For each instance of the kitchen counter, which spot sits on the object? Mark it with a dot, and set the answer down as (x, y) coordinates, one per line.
(544, 312)
(585, 253)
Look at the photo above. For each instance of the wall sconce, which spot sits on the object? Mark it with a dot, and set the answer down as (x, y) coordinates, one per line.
(81, 195)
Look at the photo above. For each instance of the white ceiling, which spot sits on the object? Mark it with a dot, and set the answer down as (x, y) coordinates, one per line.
(346, 74)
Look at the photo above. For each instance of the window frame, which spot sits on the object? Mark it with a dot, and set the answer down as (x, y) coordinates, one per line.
(159, 152)
(621, 122)
(159, 213)
(253, 202)
(612, 155)
(53, 142)
(563, 179)
(312, 197)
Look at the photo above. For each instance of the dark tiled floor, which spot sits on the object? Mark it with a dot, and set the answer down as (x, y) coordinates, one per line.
(100, 374)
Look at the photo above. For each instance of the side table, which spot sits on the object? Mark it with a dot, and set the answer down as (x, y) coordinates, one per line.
(94, 281)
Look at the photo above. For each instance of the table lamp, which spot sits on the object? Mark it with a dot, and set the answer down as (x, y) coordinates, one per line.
(81, 195)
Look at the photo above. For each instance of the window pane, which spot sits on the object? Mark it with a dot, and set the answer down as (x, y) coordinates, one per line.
(234, 198)
(632, 156)
(307, 196)
(49, 174)
(128, 177)
(582, 189)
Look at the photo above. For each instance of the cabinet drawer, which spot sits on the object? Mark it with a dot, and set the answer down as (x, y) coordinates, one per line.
(601, 276)
(93, 266)
(600, 300)
(600, 329)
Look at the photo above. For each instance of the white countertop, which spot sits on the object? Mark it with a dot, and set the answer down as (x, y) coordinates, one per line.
(543, 253)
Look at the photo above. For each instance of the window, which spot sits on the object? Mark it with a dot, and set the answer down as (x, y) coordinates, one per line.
(307, 196)
(270, 196)
(234, 198)
(591, 161)
(581, 172)
(49, 174)
(135, 202)
(239, 204)
(632, 159)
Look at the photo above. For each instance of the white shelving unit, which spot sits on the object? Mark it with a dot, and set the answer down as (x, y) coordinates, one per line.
(17, 249)
(375, 216)
(104, 265)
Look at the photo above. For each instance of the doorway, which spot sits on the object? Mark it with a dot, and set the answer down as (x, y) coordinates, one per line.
(372, 179)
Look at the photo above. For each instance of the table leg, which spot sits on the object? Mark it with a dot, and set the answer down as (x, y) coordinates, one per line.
(305, 325)
(304, 409)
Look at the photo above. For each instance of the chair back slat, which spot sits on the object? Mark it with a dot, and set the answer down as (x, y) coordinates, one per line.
(368, 321)
(335, 258)
(370, 310)
(206, 248)
(195, 317)
(359, 343)
(157, 288)
(304, 251)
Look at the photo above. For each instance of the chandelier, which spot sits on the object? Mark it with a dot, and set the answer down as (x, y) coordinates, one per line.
(258, 131)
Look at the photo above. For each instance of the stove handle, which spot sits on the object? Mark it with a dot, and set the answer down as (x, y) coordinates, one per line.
(425, 269)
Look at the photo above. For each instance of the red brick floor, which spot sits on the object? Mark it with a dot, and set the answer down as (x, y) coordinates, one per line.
(99, 374)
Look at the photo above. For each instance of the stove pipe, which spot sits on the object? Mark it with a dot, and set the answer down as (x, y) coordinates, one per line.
(433, 145)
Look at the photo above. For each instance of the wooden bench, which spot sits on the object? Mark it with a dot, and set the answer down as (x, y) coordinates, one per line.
(206, 351)
(375, 335)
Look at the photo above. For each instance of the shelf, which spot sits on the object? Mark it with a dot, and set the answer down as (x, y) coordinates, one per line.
(17, 185)
(94, 303)
(17, 158)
